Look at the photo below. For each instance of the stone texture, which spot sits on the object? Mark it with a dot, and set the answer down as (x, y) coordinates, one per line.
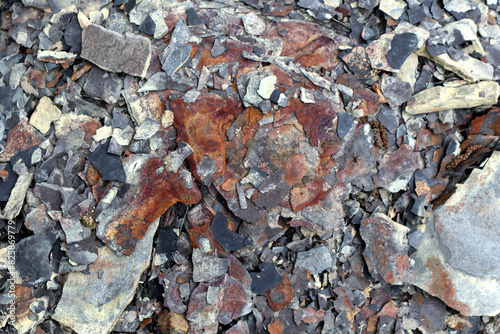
(435, 99)
(386, 251)
(254, 25)
(114, 52)
(469, 69)
(315, 260)
(207, 267)
(457, 260)
(396, 169)
(152, 191)
(92, 303)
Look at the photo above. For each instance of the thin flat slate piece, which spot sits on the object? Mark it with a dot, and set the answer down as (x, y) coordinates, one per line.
(116, 53)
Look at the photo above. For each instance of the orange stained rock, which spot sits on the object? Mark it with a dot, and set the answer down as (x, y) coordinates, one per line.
(203, 125)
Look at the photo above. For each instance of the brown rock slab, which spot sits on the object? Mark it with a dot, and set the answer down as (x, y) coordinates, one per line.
(20, 138)
(172, 323)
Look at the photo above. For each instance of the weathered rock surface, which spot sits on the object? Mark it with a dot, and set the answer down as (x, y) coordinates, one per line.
(114, 52)
(457, 260)
(435, 99)
(92, 303)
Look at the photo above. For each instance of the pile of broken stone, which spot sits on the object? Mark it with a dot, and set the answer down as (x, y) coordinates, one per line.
(253, 166)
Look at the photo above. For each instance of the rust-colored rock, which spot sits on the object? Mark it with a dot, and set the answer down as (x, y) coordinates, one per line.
(276, 327)
(386, 251)
(20, 138)
(152, 192)
(281, 295)
(203, 126)
(309, 194)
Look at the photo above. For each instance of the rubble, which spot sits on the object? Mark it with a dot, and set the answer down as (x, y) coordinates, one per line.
(247, 167)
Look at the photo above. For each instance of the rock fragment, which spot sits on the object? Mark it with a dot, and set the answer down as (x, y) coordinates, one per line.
(386, 251)
(315, 260)
(114, 52)
(450, 262)
(207, 267)
(253, 24)
(103, 293)
(44, 114)
(484, 93)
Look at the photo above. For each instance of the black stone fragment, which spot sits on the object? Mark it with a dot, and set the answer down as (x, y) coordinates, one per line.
(73, 36)
(108, 165)
(7, 186)
(422, 81)
(224, 236)
(148, 26)
(129, 5)
(389, 119)
(458, 38)
(83, 252)
(254, 3)
(258, 51)
(155, 289)
(193, 19)
(275, 96)
(32, 258)
(344, 124)
(266, 279)
(418, 14)
(167, 242)
(50, 195)
(55, 34)
(356, 29)
(402, 45)
(24, 156)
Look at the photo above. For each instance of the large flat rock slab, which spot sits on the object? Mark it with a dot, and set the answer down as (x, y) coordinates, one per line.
(458, 259)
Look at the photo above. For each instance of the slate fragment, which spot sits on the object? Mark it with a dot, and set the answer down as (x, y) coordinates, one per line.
(224, 236)
(45, 113)
(266, 279)
(32, 258)
(102, 294)
(7, 182)
(396, 169)
(102, 85)
(207, 267)
(114, 52)
(109, 165)
(386, 251)
(315, 260)
(450, 262)
(395, 91)
(402, 45)
(193, 19)
(281, 295)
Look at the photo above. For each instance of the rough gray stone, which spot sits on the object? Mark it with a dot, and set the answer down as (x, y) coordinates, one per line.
(315, 260)
(93, 302)
(116, 53)
(253, 24)
(458, 260)
(207, 267)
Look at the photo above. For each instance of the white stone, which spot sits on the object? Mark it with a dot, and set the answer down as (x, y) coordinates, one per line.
(393, 8)
(266, 86)
(253, 24)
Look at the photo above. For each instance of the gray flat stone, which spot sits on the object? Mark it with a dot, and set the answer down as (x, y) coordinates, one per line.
(457, 259)
(207, 267)
(315, 260)
(116, 53)
(93, 303)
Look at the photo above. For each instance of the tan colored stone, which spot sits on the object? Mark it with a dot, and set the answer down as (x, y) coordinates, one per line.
(172, 323)
(435, 99)
(471, 69)
(44, 114)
